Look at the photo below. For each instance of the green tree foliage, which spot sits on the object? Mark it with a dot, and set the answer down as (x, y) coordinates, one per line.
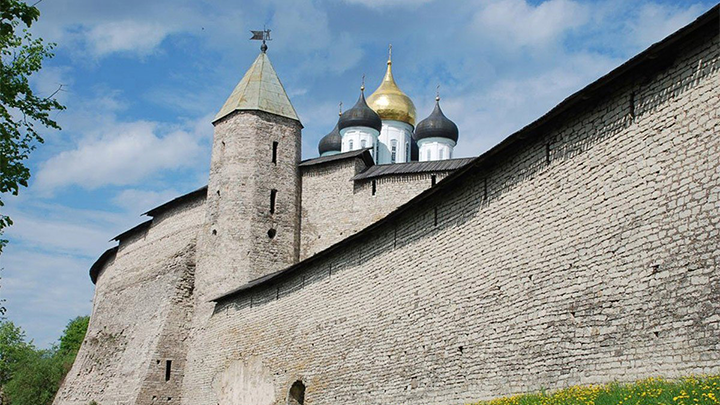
(21, 110)
(13, 349)
(2, 300)
(37, 379)
(31, 376)
(73, 335)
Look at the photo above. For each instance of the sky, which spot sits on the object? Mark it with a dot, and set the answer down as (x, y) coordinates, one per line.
(141, 81)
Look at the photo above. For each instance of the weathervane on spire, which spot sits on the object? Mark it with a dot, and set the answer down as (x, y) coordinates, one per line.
(263, 35)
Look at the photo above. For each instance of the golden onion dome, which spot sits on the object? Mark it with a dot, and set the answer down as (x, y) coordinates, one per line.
(390, 102)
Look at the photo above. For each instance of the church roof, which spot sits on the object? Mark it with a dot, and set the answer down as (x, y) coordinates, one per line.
(412, 167)
(331, 142)
(364, 154)
(100, 262)
(360, 115)
(259, 90)
(137, 228)
(437, 125)
(199, 193)
(390, 102)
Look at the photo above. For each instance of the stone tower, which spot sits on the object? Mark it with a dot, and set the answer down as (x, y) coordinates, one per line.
(252, 226)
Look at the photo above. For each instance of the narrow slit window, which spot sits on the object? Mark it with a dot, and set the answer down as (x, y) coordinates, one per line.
(168, 368)
(547, 153)
(273, 197)
(274, 153)
(433, 180)
(374, 187)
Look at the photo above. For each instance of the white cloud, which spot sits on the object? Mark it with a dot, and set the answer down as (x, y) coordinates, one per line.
(390, 3)
(60, 229)
(126, 154)
(656, 21)
(127, 36)
(64, 236)
(139, 201)
(44, 291)
(53, 80)
(517, 23)
(487, 117)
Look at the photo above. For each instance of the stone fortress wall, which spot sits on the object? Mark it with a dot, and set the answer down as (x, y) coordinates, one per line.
(141, 309)
(145, 298)
(586, 253)
(335, 207)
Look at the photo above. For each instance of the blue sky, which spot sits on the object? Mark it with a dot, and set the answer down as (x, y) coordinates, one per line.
(142, 79)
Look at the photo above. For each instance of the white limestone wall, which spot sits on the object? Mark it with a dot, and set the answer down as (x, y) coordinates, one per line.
(432, 149)
(356, 138)
(334, 207)
(586, 255)
(141, 311)
(398, 134)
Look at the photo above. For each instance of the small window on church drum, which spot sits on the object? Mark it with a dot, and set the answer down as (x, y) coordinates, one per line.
(273, 196)
(296, 396)
(393, 151)
(274, 153)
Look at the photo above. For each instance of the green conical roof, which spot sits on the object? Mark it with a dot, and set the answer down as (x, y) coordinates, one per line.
(260, 89)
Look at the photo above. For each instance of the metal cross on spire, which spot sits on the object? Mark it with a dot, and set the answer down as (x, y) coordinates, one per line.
(437, 93)
(362, 86)
(263, 36)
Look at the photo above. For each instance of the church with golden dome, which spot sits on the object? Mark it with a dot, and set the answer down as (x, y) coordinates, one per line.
(386, 124)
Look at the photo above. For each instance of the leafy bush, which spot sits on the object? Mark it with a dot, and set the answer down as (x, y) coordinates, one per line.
(29, 376)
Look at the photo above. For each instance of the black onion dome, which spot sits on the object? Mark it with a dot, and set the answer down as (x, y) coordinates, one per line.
(331, 142)
(436, 125)
(360, 116)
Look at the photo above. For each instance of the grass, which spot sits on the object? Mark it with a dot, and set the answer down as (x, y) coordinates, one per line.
(704, 390)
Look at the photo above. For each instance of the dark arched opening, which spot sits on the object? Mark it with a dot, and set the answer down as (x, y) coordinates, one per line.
(296, 396)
